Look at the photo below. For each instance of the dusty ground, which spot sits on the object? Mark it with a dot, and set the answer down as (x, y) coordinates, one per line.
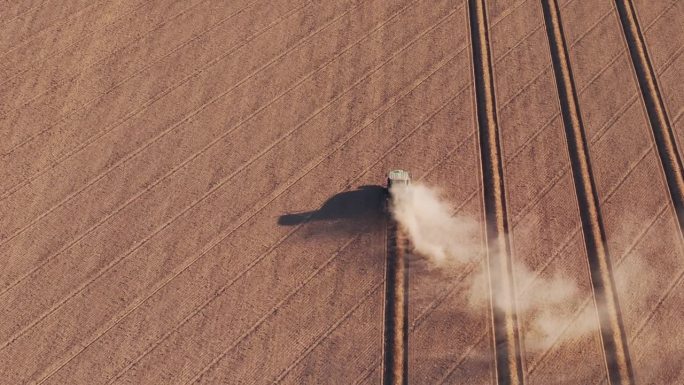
(150, 150)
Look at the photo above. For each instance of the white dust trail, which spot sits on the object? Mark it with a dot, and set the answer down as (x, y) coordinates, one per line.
(544, 305)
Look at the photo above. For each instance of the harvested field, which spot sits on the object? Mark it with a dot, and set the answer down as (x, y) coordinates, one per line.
(194, 191)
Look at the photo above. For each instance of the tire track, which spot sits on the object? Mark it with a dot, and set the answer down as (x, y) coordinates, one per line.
(68, 198)
(462, 358)
(280, 303)
(505, 324)
(673, 57)
(249, 118)
(594, 139)
(216, 360)
(542, 357)
(612, 329)
(670, 289)
(55, 163)
(409, 135)
(670, 158)
(395, 309)
(242, 167)
(452, 368)
(188, 117)
(584, 88)
(23, 12)
(338, 147)
(369, 372)
(515, 221)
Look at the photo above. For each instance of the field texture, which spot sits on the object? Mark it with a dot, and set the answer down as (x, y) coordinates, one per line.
(192, 191)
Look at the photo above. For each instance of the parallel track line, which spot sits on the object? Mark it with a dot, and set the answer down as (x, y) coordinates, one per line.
(439, 66)
(175, 125)
(506, 336)
(391, 104)
(670, 158)
(272, 311)
(12, 190)
(585, 303)
(605, 297)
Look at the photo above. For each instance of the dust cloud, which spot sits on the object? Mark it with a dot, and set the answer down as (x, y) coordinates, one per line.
(450, 241)
(435, 234)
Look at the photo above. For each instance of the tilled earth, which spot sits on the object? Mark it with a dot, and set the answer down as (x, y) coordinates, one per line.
(191, 190)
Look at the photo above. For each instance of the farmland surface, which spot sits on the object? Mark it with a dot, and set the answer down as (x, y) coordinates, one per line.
(192, 191)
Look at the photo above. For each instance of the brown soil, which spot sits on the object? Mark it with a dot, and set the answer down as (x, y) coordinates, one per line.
(149, 149)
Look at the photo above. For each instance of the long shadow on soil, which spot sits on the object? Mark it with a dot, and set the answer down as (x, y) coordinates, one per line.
(344, 213)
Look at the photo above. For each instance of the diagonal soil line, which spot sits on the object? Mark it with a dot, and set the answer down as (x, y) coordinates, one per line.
(390, 104)
(585, 303)
(668, 153)
(65, 117)
(34, 63)
(163, 177)
(322, 337)
(505, 325)
(50, 24)
(251, 264)
(612, 328)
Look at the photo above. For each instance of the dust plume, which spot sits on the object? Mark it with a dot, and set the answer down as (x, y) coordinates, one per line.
(449, 241)
(435, 234)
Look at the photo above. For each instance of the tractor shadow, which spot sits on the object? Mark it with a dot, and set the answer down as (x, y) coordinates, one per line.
(344, 213)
